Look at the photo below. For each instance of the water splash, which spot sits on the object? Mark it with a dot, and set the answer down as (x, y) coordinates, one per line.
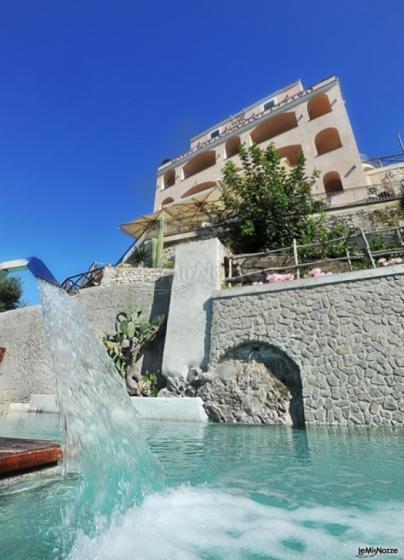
(103, 442)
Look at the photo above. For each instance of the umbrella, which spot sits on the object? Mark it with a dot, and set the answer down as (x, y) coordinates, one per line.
(183, 213)
(137, 227)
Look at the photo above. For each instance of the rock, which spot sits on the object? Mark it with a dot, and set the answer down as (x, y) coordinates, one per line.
(166, 393)
(390, 403)
(197, 377)
(251, 396)
(176, 385)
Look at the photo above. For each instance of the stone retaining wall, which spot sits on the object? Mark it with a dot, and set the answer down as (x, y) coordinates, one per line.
(25, 369)
(124, 275)
(344, 332)
(368, 217)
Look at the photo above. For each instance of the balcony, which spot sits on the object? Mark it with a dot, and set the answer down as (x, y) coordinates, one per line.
(369, 194)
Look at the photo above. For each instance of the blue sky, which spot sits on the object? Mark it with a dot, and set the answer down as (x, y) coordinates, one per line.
(94, 94)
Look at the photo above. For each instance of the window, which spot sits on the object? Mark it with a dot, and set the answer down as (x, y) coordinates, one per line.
(269, 104)
(215, 134)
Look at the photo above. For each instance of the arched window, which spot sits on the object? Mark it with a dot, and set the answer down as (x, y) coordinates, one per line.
(327, 140)
(273, 126)
(166, 201)
(291, 153)
(199, 163)
(199, 188)
(232, 146)
(169, 178)
(318, 105)
(332, 182)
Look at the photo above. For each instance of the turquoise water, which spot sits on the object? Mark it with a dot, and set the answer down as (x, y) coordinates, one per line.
(230, 492)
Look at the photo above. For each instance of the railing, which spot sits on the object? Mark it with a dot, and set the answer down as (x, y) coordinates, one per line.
(358, 250)
(384, 160)
(239, 121)
(360, 195)
(198, 224)
(73, 284)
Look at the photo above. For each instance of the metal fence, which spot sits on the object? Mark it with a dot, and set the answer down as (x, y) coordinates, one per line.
(368, 194)
(73, 284)
(198, 224)
(384, 160)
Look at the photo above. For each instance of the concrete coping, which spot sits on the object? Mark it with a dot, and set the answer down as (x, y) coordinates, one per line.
(308, 283)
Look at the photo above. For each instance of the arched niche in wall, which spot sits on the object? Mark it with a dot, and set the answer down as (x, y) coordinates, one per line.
(332, 182)
(199, 188)
(166, 201)
(327, 140)
(291, 153)
(232, 146)
(318, 105)
(199, 163)
(273, 126)
(169, 178)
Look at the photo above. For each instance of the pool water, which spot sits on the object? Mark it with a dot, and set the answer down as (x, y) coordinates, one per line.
(230, 492)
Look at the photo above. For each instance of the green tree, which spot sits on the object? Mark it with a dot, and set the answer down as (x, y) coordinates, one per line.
(267, 204)
(10, 293)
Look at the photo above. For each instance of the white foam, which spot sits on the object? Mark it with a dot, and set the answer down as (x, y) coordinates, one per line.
(194, 523)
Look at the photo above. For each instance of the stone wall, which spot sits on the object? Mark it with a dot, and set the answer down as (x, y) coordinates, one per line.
(368, 217)
(25, 370)
(343, 332)
(124, 275)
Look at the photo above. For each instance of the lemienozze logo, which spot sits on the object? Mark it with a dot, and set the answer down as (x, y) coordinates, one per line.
(371, 551)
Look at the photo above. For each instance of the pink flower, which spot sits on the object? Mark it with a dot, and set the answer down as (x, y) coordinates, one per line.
(382, 261)
(315, 272)
(396, 260)
(271, 278)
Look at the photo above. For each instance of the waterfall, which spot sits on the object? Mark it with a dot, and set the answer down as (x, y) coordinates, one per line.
(104, 448)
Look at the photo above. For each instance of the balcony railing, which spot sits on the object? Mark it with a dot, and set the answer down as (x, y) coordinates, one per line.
(198, 224)
(368, 194)
(383, 160)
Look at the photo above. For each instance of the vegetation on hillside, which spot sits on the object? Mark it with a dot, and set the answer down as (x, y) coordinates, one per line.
(267, 204)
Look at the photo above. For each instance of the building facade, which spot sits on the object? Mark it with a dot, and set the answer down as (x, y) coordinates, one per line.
(312, 120)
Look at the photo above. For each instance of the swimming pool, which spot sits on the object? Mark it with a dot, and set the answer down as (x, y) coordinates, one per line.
(229, 492)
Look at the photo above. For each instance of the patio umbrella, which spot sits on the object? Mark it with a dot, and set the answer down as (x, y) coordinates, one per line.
(184, 212)
(136, 228)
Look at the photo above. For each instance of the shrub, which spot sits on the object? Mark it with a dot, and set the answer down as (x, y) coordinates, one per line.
(10, 293)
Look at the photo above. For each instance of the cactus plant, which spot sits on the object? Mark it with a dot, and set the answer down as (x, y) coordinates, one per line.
(125, 344)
